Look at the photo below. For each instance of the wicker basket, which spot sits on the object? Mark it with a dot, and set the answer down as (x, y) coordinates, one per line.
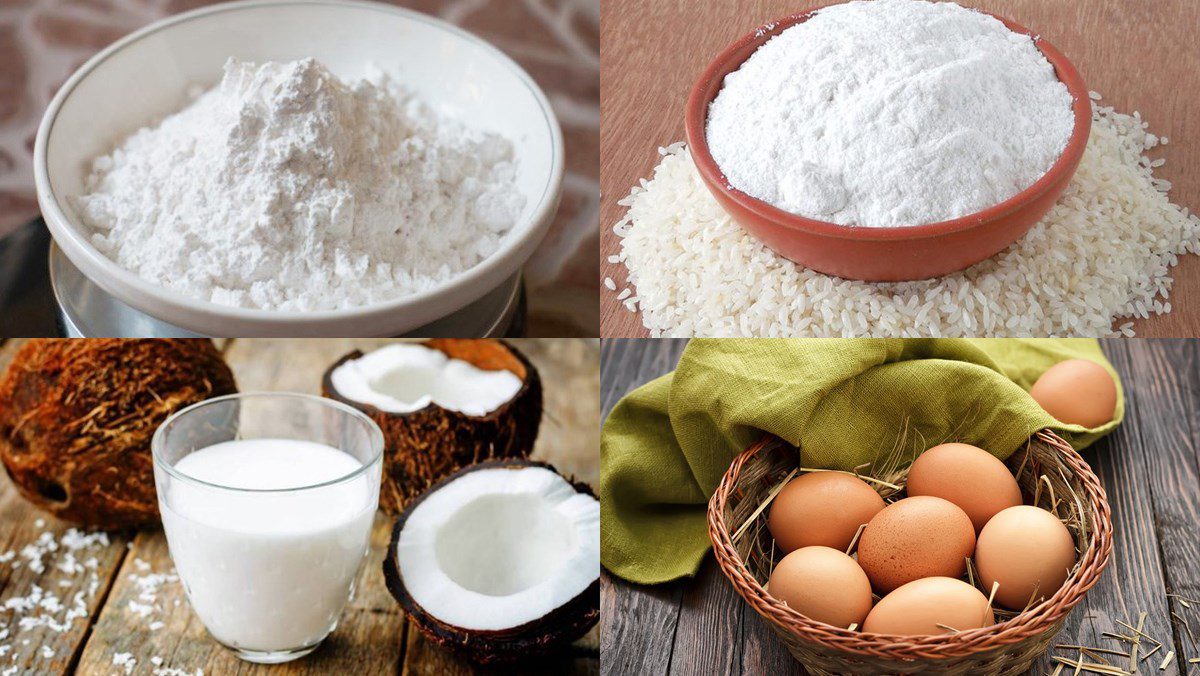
(1005, 648)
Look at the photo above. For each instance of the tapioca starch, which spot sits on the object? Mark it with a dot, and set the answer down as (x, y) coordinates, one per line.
(285, 188)
(886, 113)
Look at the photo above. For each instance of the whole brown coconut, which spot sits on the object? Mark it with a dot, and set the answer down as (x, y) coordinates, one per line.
(77, 416)
(424, 446)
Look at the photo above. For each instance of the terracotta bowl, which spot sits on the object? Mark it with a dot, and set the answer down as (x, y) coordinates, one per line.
(883, 254)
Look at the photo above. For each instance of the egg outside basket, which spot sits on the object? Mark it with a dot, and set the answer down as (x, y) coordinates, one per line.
(1047, 467)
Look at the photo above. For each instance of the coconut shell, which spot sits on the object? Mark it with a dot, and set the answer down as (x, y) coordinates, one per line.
(426, 445)
(77, 417)
(539, 638)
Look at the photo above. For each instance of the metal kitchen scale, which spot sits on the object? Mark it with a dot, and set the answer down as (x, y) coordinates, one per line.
(83, 309)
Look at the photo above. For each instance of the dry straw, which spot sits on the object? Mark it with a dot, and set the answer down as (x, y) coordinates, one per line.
(1047, 468)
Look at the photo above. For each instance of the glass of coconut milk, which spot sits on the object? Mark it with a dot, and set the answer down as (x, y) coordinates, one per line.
(268, 500)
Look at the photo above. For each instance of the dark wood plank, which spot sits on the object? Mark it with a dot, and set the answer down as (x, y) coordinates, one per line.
(762, 651)
(637, 625)
(626, 363)
(637, 622)
(708, 638)
(1165, 371)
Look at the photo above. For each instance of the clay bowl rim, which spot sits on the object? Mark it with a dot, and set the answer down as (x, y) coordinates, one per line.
(710, 82)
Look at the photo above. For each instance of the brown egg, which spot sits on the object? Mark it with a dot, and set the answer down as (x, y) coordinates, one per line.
(823, 584)
(1077, 392)
(918, 607)
(916, 537)
(821, 508)
(970, 477)
(1025, 549)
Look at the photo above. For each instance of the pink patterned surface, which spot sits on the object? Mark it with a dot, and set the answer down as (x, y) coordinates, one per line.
(557, 41)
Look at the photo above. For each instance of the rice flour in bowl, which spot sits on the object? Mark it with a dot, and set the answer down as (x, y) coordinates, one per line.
(894, 251)
(151, 75)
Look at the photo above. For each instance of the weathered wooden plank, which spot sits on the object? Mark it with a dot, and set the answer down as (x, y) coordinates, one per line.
(1166, 371)
(36, 646)
(369, 637)
(638, 623)
(708, 637)
(292, 365)
(627, 363)
(569, 436)
(762, 651)
(41, 647)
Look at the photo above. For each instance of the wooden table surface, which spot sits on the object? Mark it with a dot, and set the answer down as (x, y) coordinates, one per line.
(1150, 468)
(1140, 55)
(372, 636)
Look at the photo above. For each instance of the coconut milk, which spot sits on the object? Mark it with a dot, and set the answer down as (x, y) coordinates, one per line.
(268, 569)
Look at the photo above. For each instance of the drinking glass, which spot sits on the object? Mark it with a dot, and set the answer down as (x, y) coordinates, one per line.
(267, 570)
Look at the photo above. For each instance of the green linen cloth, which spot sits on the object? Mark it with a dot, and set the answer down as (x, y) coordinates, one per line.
(844, 402)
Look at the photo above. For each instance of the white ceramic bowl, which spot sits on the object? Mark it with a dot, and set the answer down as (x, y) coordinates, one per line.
(146, 75)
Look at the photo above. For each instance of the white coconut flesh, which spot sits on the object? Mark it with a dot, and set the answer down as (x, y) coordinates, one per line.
(498, 548)
(403, 378)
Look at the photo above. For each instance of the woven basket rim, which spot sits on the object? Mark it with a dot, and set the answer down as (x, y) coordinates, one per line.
(1028, 624)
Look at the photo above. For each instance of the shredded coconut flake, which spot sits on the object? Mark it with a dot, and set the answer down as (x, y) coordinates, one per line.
(148, 585)
(41, 609)
(125, 661)
(169, 671)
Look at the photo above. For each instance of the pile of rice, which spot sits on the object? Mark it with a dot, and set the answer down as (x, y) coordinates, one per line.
(1103, 253)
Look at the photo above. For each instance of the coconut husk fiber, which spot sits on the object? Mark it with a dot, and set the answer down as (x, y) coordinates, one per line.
(426, 445)
(77, 417)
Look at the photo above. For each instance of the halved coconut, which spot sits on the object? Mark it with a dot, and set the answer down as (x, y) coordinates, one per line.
(442, 405)
(500, 560)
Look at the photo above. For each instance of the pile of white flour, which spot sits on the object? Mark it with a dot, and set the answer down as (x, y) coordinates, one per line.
(890, 113)
(284, 188)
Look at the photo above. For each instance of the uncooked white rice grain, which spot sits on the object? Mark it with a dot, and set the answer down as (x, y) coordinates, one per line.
(1102, 253)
